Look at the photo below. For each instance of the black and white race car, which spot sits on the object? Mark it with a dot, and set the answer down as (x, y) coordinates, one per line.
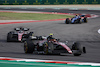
(40, 44)
(19, 34)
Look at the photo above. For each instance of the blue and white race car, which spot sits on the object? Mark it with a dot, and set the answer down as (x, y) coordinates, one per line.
(78, 19)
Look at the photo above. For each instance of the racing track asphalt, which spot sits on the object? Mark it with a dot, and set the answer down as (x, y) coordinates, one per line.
(86, 33)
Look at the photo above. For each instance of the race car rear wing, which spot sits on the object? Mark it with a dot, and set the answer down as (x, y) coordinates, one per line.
(38, 37)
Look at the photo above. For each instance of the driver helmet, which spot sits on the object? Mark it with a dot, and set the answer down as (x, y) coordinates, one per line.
(20, 31)
(51, 34)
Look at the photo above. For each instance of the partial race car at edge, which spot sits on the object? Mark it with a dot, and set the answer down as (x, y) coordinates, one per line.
(19, 34)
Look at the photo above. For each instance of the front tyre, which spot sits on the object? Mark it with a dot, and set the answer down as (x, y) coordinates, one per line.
(67, 21)
(77, 49)
(85, 20)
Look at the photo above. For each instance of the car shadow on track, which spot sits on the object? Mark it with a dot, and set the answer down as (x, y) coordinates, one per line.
(5, 41)
(69, 24)
(20, 54)
(1, 40)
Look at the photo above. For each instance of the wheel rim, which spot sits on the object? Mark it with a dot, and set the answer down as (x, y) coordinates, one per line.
(25, 47)
(45, 49)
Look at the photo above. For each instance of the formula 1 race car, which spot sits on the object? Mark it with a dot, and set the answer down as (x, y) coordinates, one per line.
(41, 45)
(81, 19)
(19, 34)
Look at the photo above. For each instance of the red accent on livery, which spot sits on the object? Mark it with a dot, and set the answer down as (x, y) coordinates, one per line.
(20, 34)
(65, 46)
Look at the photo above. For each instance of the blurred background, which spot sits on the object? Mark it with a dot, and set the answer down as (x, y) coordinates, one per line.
(47, 2)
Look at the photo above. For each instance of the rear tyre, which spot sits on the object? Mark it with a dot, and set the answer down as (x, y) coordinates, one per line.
(45, 48)
(77, 49)
(29, 46)
(9, 36)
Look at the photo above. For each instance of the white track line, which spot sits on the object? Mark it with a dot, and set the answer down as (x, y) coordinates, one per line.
(36, 60)
(99, 31)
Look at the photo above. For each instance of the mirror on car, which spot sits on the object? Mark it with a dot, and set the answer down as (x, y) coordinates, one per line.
(17, 29)
(57, 39)
(26, 29)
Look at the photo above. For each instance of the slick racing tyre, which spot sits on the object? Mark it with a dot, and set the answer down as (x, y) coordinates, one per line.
(85, 20)
(28, 46)
(67, 21)
(77, 49)
(9, 36)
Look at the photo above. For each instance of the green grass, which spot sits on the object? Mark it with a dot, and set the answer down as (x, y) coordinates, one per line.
(30, 16)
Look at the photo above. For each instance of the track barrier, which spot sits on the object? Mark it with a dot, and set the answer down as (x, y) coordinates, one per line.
(47, 2)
